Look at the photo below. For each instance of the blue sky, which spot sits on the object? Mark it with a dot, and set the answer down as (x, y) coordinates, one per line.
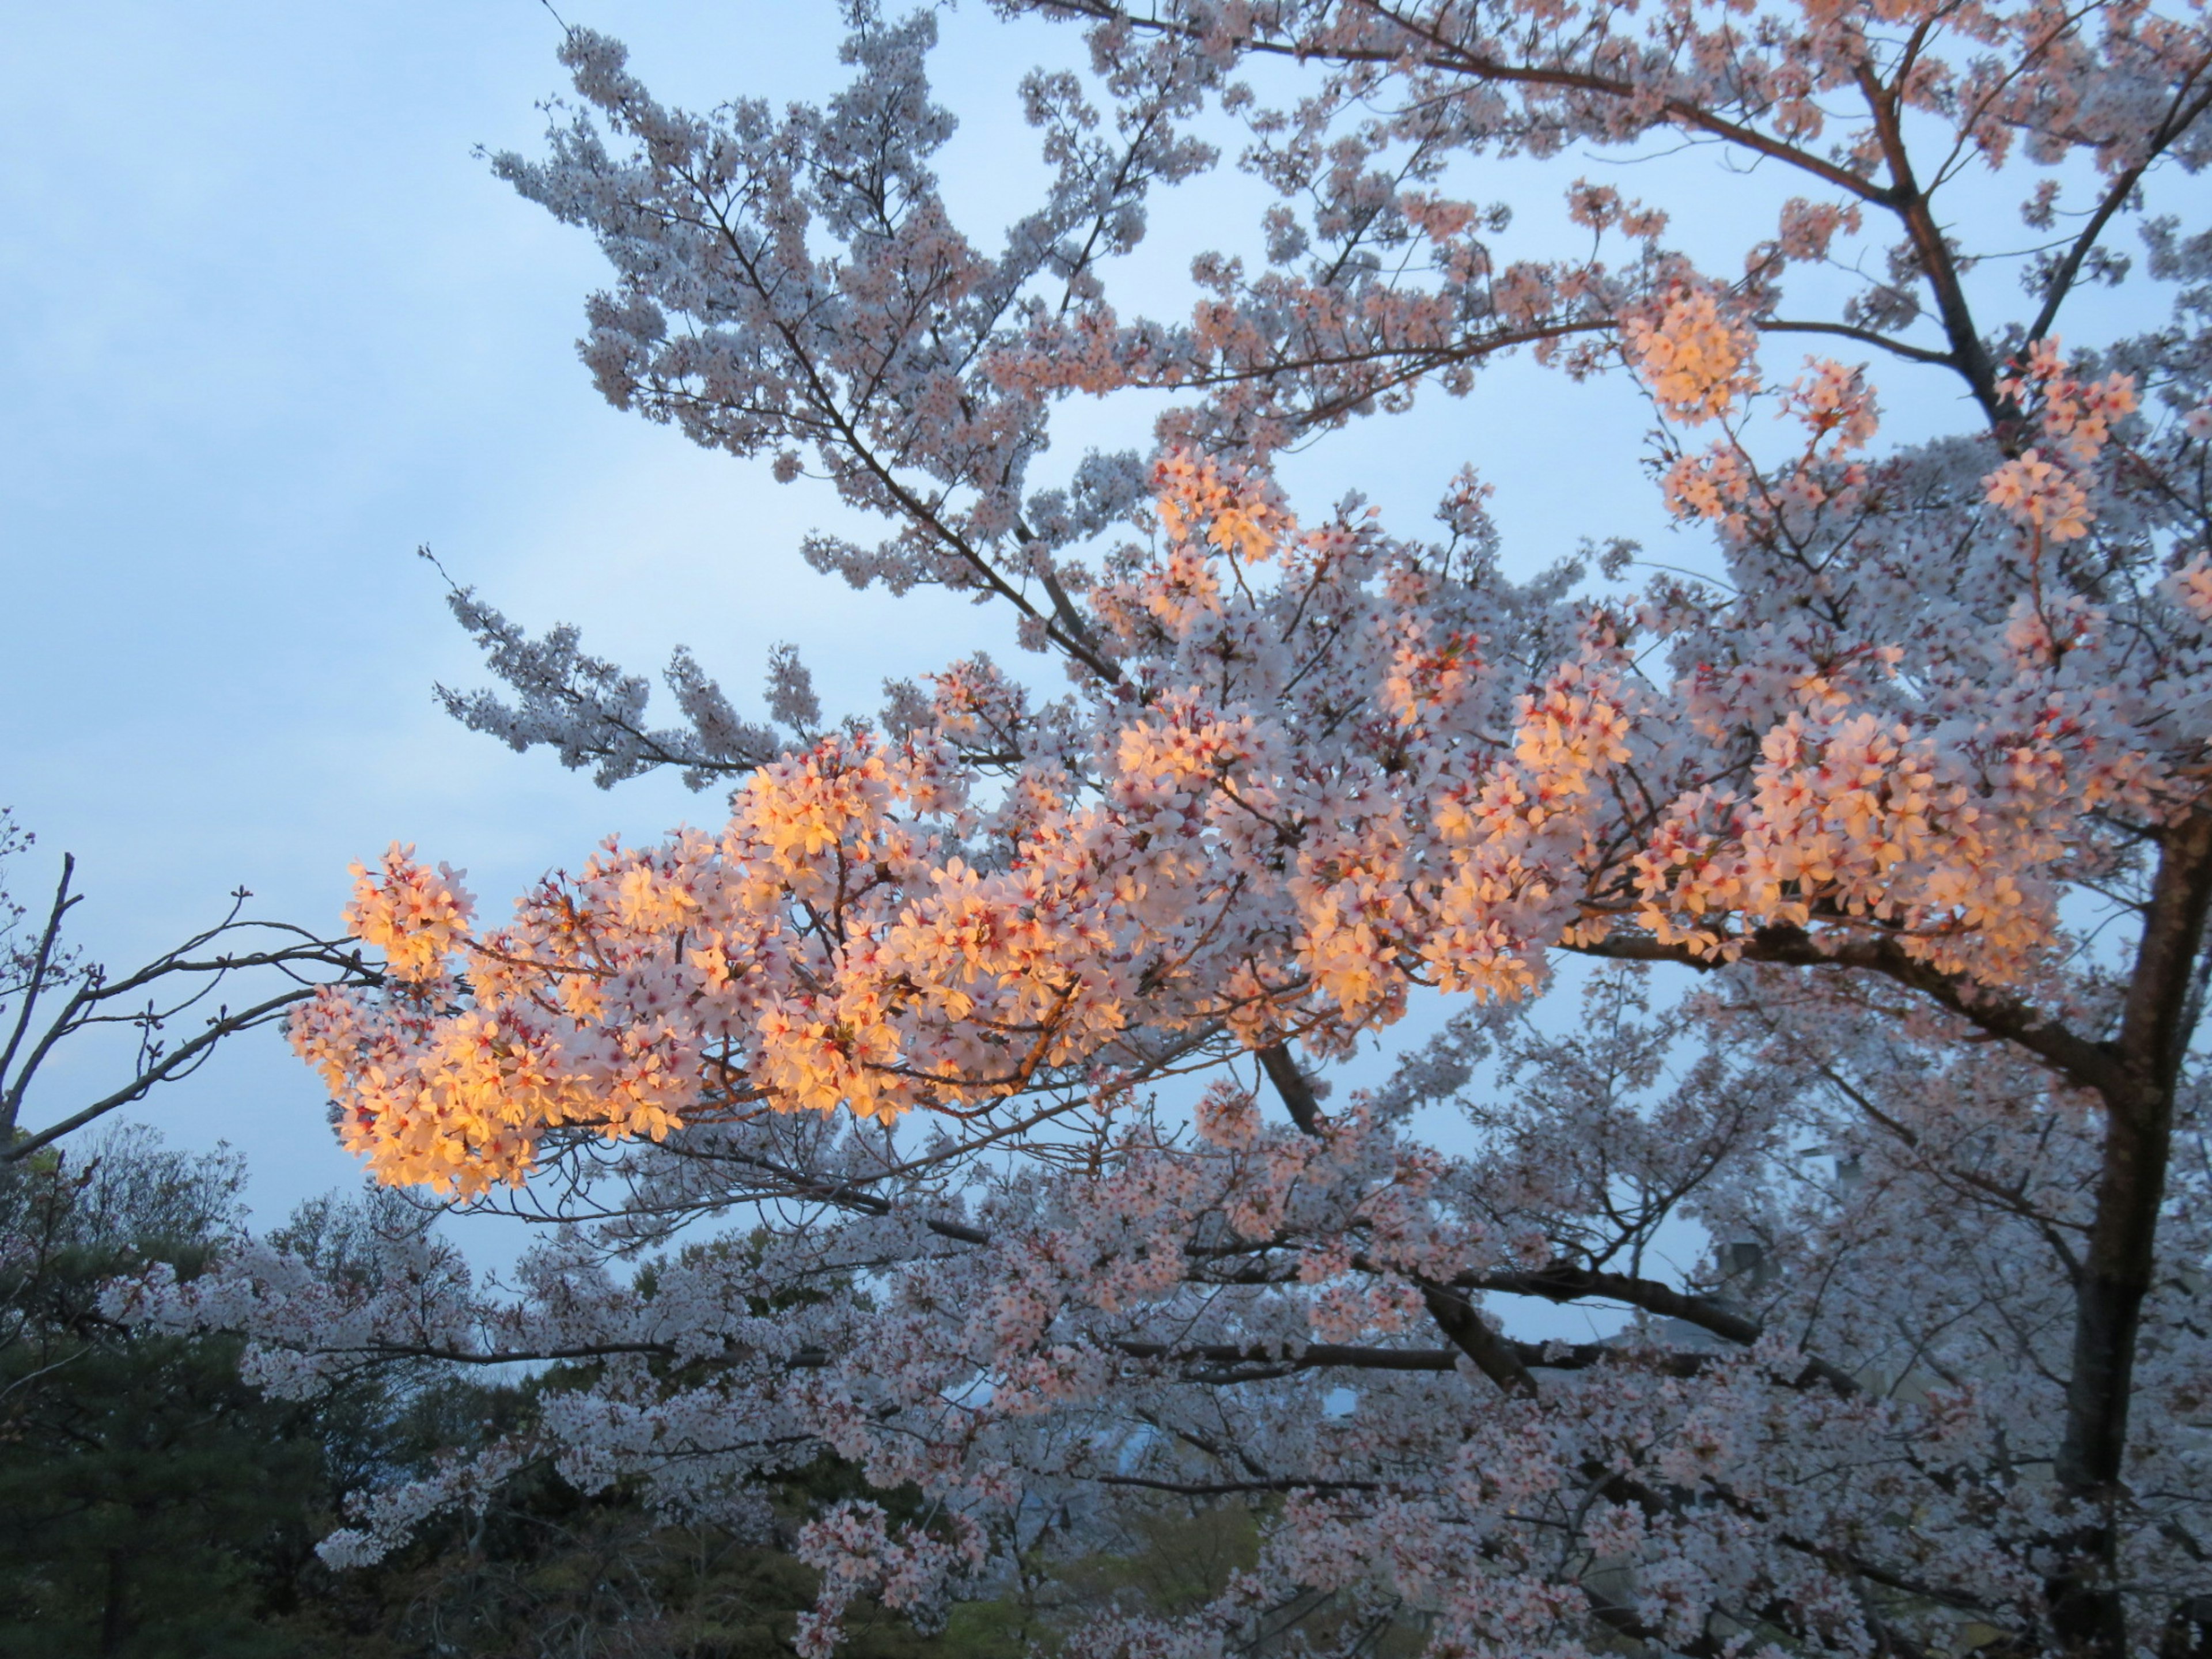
(269, 325)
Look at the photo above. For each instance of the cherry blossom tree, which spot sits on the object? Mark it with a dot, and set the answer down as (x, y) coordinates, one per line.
(956, 1105)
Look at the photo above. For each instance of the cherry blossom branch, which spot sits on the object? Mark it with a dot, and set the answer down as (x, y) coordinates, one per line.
(2083, 1063)
(1968, 356)
(2184, 114)
(1880, 342)
(1562, 1282)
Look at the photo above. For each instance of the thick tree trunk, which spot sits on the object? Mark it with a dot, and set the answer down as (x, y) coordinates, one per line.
(2087, 1612)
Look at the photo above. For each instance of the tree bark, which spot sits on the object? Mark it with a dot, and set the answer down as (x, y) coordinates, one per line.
(2087, 1611)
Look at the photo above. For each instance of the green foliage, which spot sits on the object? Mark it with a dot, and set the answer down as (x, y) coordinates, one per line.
(142, 1484)
(547, 1569)
(1176, 1560)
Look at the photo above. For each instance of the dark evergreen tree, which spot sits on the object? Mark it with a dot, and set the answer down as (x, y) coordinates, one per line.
(144, 1486)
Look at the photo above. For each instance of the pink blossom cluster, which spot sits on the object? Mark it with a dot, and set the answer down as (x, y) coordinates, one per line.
(883, 927)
